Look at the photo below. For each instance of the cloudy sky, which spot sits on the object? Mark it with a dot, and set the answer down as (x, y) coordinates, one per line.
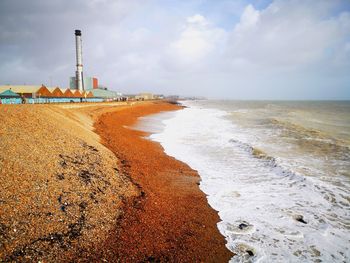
(234, 49)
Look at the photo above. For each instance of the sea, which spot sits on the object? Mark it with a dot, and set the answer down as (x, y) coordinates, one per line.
(277, 172)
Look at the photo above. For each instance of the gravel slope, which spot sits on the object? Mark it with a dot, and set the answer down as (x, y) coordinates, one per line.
(60, 190)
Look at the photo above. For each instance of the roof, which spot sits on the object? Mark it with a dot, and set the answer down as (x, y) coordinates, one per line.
(25, 88)
(44, 92)
(21, 88)
(77, 93)
(101, 93)
(68, 93)
(56, 92)
(8, 93)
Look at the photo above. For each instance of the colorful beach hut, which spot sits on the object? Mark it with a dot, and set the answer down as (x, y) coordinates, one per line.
(10, 97)
(56, 92)
(9, 94)
(25, 91)
(68, 94)
(77, 94)
(43, 92)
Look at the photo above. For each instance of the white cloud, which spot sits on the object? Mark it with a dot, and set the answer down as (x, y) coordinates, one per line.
(287, 34)
(197, 19)
(198, 39)
(249, 19)
(278, 51)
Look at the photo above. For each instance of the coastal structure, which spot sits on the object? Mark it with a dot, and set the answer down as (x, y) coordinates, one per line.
(106, 94)
(144, 96)
(9, 97)
(14, 94)
(82, 89)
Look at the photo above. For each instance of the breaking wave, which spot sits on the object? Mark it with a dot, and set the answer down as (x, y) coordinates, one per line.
(312, 140)
(268, 160)
(255, 172)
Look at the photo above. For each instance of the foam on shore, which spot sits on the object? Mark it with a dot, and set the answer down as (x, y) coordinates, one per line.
(269, 211)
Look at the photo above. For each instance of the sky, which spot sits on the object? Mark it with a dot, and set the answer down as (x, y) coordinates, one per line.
(222, 49)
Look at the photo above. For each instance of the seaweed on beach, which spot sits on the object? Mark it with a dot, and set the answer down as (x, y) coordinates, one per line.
(38, 247)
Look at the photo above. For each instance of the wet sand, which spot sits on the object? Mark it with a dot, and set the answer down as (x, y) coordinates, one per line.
(170, 219)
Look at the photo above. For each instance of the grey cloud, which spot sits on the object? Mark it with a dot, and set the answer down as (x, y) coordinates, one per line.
(38, 35)
(295, 49)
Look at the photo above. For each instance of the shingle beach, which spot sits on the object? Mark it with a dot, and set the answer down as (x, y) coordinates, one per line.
(78, 185)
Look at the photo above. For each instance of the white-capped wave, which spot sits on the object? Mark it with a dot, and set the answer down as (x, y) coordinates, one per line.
(269, 212)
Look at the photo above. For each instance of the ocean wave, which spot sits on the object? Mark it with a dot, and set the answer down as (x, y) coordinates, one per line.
(311, 140)
(270, 161)
(269, 211)
(296, 177)
(299, 131)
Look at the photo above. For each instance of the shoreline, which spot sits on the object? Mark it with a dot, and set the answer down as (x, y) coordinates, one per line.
(170, 219)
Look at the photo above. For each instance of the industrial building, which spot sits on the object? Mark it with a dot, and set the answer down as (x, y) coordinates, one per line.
(89, 83)
(79, 82)
(82, 89)
(106, 94)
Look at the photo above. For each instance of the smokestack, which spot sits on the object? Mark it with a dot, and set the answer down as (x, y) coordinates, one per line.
(79, 72)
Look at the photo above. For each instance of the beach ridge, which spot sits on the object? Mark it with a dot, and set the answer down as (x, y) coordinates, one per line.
(65, 196)
(170, 220)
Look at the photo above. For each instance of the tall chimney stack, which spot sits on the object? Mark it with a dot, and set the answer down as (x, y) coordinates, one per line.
(79, 84)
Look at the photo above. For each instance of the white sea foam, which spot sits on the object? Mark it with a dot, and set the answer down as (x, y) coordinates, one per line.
(269, 211)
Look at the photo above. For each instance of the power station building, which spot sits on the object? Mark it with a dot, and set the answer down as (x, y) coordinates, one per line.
(82, 89)
(81, 83)
(88, 83)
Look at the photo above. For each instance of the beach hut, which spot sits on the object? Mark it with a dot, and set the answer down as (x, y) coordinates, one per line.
(57, 95)
(32, 93)
(77, 94)
(10, 97)
(56, 92)
(9, 94)
(72, 95)
(43, 92)
(22, 90)
(68, 94)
